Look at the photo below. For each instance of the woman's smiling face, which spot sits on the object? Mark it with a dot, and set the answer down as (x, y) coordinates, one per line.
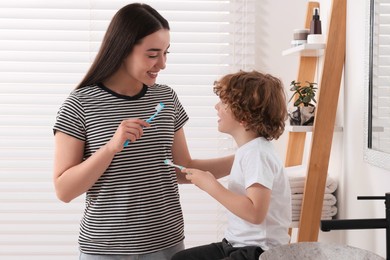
(148, 58)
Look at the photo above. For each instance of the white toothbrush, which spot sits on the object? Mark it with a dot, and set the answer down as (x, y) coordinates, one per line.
(169, 162)
(159, 107)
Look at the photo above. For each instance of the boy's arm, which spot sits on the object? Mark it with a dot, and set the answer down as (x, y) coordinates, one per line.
(220, 167)
(252, 206)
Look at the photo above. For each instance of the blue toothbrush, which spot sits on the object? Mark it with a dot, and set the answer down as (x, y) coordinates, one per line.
(159, 107)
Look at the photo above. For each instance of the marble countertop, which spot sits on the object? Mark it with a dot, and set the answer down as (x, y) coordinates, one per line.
(318, 251)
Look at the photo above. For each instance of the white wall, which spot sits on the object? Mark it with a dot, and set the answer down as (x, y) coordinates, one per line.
(360, 178)
(276, 21)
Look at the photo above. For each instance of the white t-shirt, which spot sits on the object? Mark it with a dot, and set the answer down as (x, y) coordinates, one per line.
(258, 162)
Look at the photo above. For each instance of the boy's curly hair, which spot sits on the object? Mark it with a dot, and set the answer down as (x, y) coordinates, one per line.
(258, 100)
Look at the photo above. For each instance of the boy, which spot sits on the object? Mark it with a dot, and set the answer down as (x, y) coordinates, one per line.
(252, 109)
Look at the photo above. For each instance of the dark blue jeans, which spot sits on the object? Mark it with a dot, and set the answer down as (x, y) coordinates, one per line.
(222, 250)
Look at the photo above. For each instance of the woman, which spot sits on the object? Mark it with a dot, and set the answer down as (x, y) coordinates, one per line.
(132, 202)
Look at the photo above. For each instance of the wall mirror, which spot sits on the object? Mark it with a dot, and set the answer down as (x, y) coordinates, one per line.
(377, 136)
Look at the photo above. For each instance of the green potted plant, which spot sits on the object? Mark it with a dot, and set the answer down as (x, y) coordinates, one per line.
(304, 103)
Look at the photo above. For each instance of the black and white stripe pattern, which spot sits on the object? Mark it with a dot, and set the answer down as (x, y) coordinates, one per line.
(134, 207)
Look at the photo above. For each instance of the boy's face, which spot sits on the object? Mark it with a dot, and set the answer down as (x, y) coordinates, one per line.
(226, 122)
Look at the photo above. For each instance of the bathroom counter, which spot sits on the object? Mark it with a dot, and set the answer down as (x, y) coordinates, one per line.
(318, 251)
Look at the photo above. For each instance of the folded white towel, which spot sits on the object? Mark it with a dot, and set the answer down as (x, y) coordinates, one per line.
(325, 214)
(299, 187)
(297, 178)
(296, 218)
(297, 208)
(329, 199)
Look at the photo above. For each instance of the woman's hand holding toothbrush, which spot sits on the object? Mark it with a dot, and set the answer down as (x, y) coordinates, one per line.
(158, 108)
(129, 129)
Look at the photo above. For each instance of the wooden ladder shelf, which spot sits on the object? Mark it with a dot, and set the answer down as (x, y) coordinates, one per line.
(323, 128)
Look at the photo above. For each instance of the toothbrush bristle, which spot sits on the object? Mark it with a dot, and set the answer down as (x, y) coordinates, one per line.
(160, 106)
(167, 161)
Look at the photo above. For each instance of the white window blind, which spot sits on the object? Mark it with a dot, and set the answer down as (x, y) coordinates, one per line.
(45, 49)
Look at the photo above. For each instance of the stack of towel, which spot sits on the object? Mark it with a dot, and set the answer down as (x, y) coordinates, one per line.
(297, 178)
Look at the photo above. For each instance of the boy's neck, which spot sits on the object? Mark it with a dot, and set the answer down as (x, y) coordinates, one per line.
(242, 136)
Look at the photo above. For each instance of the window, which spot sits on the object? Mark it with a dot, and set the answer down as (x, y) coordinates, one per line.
(45, 49)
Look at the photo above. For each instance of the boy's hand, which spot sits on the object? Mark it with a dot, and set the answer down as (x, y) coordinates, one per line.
(204, 180)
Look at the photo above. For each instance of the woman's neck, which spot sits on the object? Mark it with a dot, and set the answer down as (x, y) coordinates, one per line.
(123, 84)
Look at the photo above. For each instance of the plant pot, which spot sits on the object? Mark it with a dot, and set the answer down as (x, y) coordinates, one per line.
(302, 115)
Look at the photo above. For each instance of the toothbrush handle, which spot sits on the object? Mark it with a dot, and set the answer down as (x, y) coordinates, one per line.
(151, 118)
(126, 143)
(179, 166)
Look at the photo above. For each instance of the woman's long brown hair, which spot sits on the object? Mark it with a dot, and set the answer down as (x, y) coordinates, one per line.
(128, 27)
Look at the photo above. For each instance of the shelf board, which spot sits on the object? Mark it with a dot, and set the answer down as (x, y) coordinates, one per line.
(307, 49)
(304, 128)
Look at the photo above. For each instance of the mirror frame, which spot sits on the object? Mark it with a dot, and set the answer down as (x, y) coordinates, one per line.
(374, 157)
